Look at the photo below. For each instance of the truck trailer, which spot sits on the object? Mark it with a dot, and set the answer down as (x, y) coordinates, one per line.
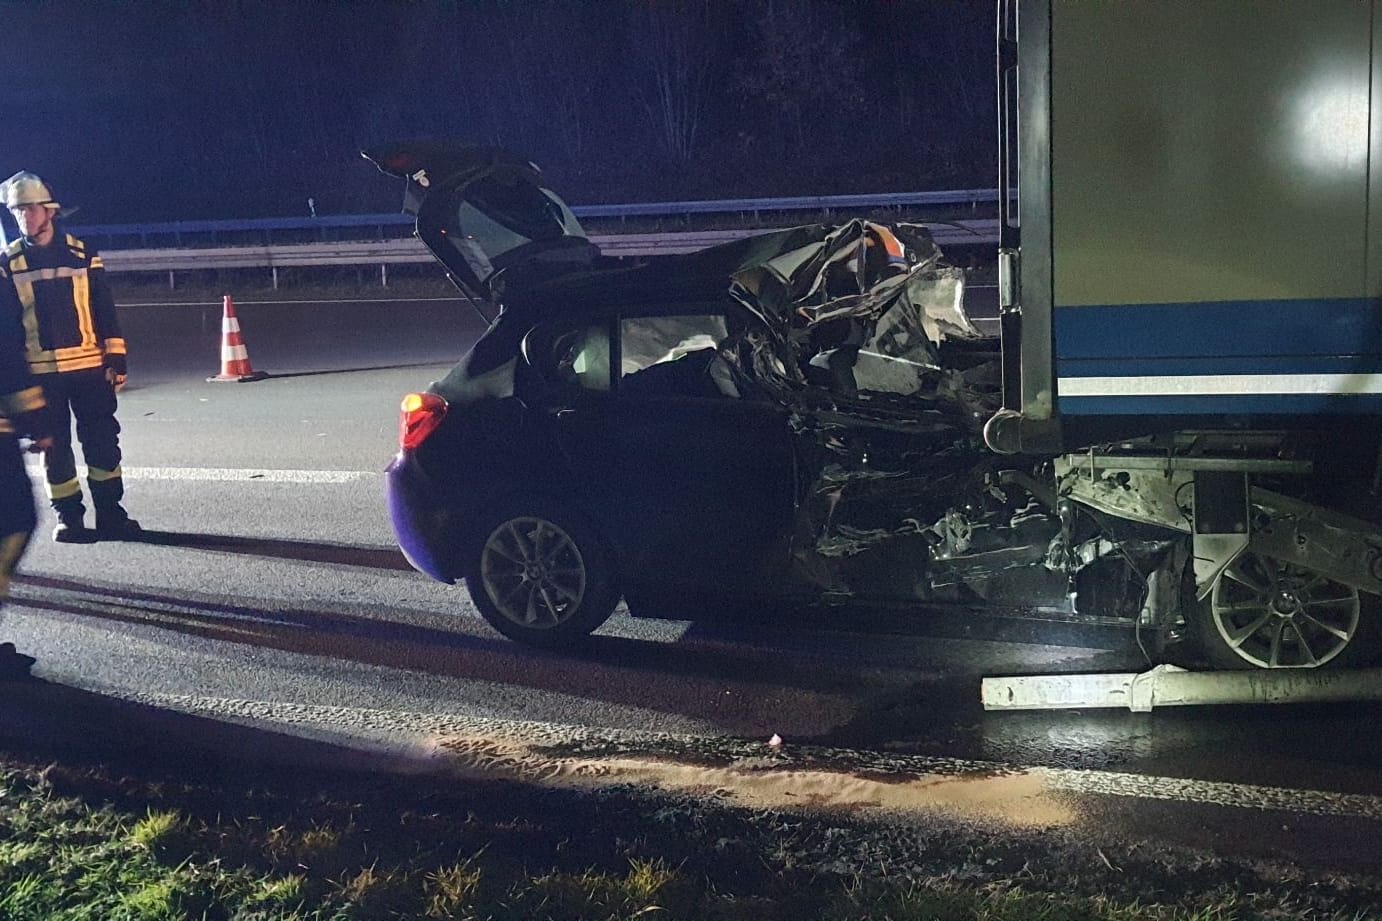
(1190, 287)
(1178, 431)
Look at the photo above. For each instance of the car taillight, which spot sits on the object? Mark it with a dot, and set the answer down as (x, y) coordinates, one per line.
(419, 417)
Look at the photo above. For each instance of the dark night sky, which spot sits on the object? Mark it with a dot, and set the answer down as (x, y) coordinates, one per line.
(155, 111)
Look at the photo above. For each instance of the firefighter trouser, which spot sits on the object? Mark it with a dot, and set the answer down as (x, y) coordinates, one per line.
(17, 516)
(89, 398)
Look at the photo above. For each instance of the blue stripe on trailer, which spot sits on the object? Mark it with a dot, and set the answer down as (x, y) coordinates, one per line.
(1275, 357)
(1220, 329)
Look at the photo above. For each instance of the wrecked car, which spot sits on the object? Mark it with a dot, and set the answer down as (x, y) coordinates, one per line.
(794, 415)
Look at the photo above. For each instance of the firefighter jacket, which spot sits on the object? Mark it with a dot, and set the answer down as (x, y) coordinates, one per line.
(20, 397)
(69, 313)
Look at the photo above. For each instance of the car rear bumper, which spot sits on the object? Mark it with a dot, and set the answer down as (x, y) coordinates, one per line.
(421, 521)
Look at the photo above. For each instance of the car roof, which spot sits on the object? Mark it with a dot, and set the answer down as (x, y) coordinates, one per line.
(703, 276)
(662, 280)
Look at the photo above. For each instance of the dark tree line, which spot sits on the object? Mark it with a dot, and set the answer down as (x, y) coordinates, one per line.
(232, 108)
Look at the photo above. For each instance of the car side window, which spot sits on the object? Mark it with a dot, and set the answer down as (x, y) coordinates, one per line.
(674, 356)
(581, 357)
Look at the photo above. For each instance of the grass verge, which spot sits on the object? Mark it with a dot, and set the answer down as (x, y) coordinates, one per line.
(135, 842)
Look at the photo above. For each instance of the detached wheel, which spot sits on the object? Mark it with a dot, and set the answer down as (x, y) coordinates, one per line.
(541, 576)
(1268, 613)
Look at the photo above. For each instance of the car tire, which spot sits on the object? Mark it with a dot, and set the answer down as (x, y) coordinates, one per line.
(1269, 613)
(541, 575)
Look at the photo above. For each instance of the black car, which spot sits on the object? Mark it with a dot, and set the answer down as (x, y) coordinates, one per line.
(795, 414)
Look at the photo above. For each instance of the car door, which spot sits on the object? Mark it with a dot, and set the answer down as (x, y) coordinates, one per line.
(689, 477)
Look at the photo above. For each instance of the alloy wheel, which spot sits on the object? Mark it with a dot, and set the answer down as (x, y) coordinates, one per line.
(533, 572)
(1273, 614)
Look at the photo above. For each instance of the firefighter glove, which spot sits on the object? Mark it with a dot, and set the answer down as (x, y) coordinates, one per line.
(36, 425)
(115, 371)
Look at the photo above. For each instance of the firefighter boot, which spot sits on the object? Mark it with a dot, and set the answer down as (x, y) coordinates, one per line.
(14, 665)
(71, 529)
(112, 521)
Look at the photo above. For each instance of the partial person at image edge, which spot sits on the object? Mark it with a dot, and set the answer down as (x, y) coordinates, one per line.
(77, 355)
(21, 413)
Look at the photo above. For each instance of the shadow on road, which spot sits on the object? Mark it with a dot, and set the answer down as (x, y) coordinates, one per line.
(293, 630)
(743, 690)
(800, 690)
(46, 721)
(278, 375)
(155, 378)
(306, 551)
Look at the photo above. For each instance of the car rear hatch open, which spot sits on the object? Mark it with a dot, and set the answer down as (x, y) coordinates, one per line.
(485, 214)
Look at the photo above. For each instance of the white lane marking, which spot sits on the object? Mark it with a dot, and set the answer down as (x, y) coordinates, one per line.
(439, 726)
(343, 300)
(239, 474)
(235, 474)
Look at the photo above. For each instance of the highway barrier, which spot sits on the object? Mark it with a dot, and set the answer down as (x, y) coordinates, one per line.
(749, 211)
(383, 253)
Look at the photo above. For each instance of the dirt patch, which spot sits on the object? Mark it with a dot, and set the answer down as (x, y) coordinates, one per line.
(1015, 799)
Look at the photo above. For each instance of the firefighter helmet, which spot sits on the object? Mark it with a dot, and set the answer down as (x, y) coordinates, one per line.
(24, 188)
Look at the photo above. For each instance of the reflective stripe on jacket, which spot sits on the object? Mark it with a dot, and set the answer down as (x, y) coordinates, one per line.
(18, 392)
(69, 314)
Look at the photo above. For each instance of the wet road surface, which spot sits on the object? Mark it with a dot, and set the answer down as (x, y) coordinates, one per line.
(271, 591)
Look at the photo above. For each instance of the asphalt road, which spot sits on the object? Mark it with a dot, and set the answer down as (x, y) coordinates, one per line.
(271, 593)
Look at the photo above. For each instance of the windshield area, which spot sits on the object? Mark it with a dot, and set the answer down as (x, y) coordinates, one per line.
(491, 219)
(675, 356)
(503, 212)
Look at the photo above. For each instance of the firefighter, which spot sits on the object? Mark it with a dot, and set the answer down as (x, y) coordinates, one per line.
(77, 355)
(21, 413)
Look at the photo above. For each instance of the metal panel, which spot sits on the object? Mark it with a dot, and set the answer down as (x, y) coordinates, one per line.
(1208, 150)
(1034, 197)
(1373, 274)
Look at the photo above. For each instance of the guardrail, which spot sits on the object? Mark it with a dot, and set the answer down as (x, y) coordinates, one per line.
(384, 253)
(385, 225)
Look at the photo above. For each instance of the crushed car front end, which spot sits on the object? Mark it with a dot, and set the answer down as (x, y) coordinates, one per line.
(857, 332)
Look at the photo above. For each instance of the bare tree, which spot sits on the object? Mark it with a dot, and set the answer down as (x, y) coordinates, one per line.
(942, 100)
(556, 82)
(807, 70)
(676, 42)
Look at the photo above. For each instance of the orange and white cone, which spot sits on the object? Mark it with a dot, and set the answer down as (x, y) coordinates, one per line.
(235, 358)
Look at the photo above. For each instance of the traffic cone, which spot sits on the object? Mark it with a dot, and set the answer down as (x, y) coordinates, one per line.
(235, 358)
